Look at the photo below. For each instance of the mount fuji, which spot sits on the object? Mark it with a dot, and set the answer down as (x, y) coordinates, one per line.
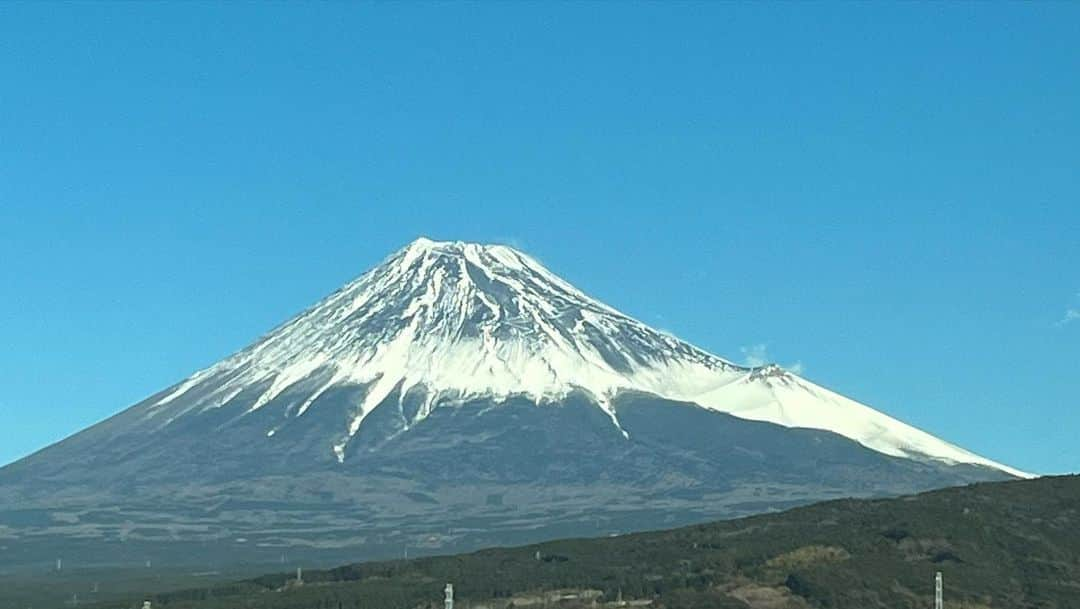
(456, 395)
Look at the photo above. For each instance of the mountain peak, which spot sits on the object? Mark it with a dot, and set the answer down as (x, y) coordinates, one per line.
(422, 245)
(453, 384)
(440, 322)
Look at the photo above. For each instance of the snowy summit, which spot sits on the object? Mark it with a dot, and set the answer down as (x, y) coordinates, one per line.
(443, 322)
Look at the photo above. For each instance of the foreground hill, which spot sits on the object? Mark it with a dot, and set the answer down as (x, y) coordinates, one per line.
(455, 397)
(999, 545)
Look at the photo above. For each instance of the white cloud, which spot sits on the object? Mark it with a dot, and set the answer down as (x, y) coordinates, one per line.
(758, 355)
(755, 355)
(1071, 315)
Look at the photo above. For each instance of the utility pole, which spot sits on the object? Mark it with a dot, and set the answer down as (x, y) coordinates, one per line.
(938, 592)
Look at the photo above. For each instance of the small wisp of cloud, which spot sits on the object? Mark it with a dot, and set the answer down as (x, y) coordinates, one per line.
(758, 355)
(755, 355)
(1071, 314)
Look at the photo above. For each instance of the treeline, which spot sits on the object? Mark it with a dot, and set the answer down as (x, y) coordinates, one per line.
(1000, 545)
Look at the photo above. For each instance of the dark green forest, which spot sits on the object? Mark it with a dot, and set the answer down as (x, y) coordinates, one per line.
(1011, 544)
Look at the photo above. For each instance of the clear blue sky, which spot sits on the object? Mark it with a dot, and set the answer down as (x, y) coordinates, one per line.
(885, 194)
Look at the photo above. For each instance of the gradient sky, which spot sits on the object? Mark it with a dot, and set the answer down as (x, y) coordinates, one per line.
(885, 195)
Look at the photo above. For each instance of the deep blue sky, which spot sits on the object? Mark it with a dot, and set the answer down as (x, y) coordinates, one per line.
(886, 194)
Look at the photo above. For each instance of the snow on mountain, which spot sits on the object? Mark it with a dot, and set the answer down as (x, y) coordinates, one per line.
(449, 321)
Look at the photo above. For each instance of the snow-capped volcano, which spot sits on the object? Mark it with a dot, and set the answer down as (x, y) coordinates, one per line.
(456, 396)
(441, 323)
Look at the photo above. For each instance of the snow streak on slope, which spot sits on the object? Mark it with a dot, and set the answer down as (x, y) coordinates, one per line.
(449, 321)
